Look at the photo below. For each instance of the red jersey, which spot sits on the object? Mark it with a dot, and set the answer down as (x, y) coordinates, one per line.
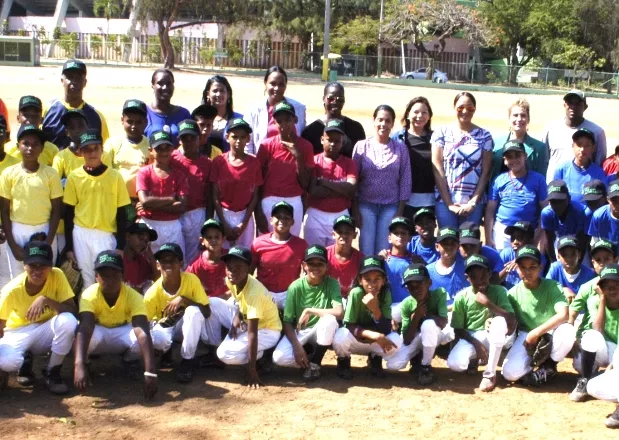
(344, 273)
(236, 183)
(278, 264)
(280, 166)
(610, 166)
(197, 172)
(339, 170)
(212, 276)
(173, 185)
(137, 272)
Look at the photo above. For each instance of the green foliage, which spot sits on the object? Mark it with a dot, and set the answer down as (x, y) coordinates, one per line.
(575, 56)
(235, 53)
(96, 41)
(68, 43)
(207, 55)
(108, 8)
(57, 33)
(21, 32)
(152, 50)
(359, 36)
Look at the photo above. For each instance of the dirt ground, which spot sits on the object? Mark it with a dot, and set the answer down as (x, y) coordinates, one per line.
(217, 405)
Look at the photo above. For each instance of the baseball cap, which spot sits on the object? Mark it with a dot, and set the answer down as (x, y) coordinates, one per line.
(212, 223)
(109, 259)
(476, 261)
(523, 226)
(344, 219)
(38, 252)
(529, 251)
(447, 234)
(613, 189)
(610, 272)
(603, 244)
(205, 110)
(469, 233)
(159, 138)
(239, 123)
(284, 107)
(282, 205)
(577, 93)
(415, 272)
(514, 146)
(74, 64)
(400, 221)
(557, 190)
(334, 125)
(567, 241)
(240, 252)
(134, 105)
(422, 212)
(371, 263)
(188, 126)
(29, 101)
(315, 251)
(593, 190)
(170, 247)
(25, 129)
(583, 132)
(137, 228)
(90, 137)
(71, 113)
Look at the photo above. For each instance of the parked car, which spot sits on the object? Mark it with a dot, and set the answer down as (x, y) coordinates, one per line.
(421, 73)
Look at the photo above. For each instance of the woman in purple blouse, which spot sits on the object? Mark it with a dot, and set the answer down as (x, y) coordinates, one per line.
(384, 184)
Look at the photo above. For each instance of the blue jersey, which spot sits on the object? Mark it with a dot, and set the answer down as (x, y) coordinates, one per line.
(494, 258)
(604, 225)
(429, 255)
(576, 177)
(508, 255)
(518, 199)
(573, 224)
(55, 129)
(157, 121)
(396, 266)
(557, 273)
(453, 282)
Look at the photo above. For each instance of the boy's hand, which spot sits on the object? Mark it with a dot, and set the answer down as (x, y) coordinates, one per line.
(510, 266)
(481, 298)
(19, 253)
(422, 309)
(386, 344)
(253, 380)
(384, 253)
(261, 222)
(36, 309)
(569, 294)
(139, 207)
(2, 236)
(371, 302)
(174, 306)
(532, 339)
(80, 377)
(304, 318)
(481, 352)
(300, 356)
(151, 386)
(237, 326)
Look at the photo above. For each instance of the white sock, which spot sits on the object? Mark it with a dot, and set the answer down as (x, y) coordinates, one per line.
(494, 353)
(54, 360)
(427, 355)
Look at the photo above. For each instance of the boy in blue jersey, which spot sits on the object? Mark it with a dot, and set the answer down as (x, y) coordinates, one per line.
(521, 233)
(605, 220)
(424, 243)
(582, 168)
(448, 271)
(470, 244)
(73, 81)
(563, 217)
(594, 196)
(568, 271)
(397, 259)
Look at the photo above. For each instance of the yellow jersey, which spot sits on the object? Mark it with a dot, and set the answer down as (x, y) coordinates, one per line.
(156, 298)
(255, 302)
(127, 157)
(128, 304)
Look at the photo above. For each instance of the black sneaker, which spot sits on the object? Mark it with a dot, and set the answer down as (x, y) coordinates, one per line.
(415, 364)
(184, 374)
(133, 370)
(166, 360)
(539, 377)
(4, 380)
(425, 375)
(25, 376)
(53, 381)
(343, 370)
(265, 364)
(473, 367)
(210, 360)
(612, 421)
(376, 367)
(580, 392)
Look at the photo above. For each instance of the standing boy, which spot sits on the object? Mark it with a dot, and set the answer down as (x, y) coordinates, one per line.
(205, 115)
(209, 267)
(342, 257)
(397, 259)
(448, 271)
(605, 220)
(424, 243)
(139, 262)
(6, 160)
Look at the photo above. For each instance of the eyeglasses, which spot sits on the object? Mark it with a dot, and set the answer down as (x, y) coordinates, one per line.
(335, 99)
(468, 108)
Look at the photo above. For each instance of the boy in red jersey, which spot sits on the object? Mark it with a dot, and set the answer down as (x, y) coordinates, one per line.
(208, 266)
(344, 259)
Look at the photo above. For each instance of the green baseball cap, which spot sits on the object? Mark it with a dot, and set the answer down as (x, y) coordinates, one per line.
(371, 263)
(90, 137)
(134, 105)
(188, 126)
(73, 113)
(25, 129)
(469, 233)
(38, 252)
(529, 251)
(567, 241)
(447, 234)
(557, 190)
(415, 272)
(284, 107)
(239, 123)
(603, 244)
(344, 219)
(282, 205)
(315, 251)
(334, 125)
(171, 248)
(109, 259)
(73, 64)
(240, 252)
(139, 227)
(423, 212)
(476, 261)
(613, 189)
(514, 146)
(525, 227)
(610, 272)
(159, 138)
(400, 221)
(583, 132)
(212, 223)
(593, 190)
(29, 101)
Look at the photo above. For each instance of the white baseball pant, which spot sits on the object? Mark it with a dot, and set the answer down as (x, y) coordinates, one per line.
(22, 234)
(518, 362)
(5, 273)
(116, 340)
(493, 339)
(236, 351)
(168, 231)
(87, 243)
(61, 242)
(345, 344)
(234, 218)
(594, 342)
(501, 239)
(426, 340)
(279, 298)
(318, 226)
(396, 313)
(606, 385)
(56, 334)
(191, 223)
(297, 205)
(321, 334)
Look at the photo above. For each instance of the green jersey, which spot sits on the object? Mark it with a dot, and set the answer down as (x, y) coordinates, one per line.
(437, 305)
(468, 314)
(611, 321)
(579, 304)
(301, 295)
(357, 313)
(534, 307)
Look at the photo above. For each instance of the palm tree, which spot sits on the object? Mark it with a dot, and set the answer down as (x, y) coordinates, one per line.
(108, 9)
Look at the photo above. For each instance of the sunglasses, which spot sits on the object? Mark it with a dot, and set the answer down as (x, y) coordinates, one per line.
(468, 108)
(335, 99)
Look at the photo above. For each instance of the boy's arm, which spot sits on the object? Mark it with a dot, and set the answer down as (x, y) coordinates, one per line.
(489, 218)
(7, 225)
(178, 207)
(559, 318)
(253, 380)
(549, 237)
(142, 333)
(37, 308)
(480, 351)
(54, 219)
(82, 341)
(121, 225)
(69, 215)
(599, 321)
(261, 219)
(418, 315)
(208, 197)
(337, 311)
(249, 211)
(319, 191)
(346, 189)
(150, 202)
(300, 356)
(2, 325)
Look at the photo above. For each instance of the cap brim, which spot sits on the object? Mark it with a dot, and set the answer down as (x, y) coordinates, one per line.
(87, 143)
(510, 230)
(404, 225)
(109, 265)
(610, 278)
(612, 195)
(284, 111)
(135, 110)
(227, 257)
(413, 278)
(593, 197)
(470, 240)
(168, 251)
(528, 256)
(606, 248)
(247, 128)
(372, 269)
(38, 133)
(507, 150)
(343, 222)
(566, 246)
(557, 196)
(425, 214)
(568, 95)
(182, 132)
(334, 129)
(316, 257)
(38, 260)
(440, 240)
(160, 143)
(472, 265)
(204, 228)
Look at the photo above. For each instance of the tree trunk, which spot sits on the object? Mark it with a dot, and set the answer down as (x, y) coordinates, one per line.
(168, 60)
(513, 65)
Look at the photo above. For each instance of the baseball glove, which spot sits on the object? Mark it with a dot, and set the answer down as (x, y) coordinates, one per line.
(73, 274)
(171, 320)
(541, 353)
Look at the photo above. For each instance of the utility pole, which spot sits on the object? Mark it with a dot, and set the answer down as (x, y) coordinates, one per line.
(380, 37)
(325, 51)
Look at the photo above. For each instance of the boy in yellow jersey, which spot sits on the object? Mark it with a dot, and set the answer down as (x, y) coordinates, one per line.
(30, 111)
(6, 160)
(36, 316)
(30, 198)
(256, 326)
(130, 152)
(95, 198)
(205, 115)
(113, 321)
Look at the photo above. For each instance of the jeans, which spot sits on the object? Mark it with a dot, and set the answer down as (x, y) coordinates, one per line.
(447, 219)
(375, 231)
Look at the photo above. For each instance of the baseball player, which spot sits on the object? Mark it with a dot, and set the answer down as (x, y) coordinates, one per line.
(313, 307)
(424, 243)
(480, 343)
(397, 259)
(6, 160)
(140, 264)
(448, 271)
(568, 271)
(209, 267)
(343, 258)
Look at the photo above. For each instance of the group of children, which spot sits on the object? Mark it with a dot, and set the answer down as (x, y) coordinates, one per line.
(164, 238)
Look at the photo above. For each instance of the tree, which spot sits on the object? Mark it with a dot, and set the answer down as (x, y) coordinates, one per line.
(357, 36)
(575, 56)
(599, 26)
(108, 9)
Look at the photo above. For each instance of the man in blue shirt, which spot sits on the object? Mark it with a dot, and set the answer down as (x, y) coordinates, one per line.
(448, 271)
(424, 243)
(568, 271)
(605, 220)
(470, 244)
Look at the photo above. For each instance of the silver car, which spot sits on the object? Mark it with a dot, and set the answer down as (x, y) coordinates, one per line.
(421, 73)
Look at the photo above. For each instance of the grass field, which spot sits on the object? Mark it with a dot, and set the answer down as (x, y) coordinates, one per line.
(216, 405)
